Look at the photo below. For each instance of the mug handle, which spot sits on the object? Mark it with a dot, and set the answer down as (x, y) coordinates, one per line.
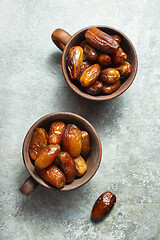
(28, 186)
(60, 38)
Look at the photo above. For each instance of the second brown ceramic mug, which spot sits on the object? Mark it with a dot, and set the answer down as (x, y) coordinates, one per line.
(64, 41)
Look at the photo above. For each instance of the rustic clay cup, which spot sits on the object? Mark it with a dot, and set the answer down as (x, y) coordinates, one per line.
(93, 160)
(64, 41)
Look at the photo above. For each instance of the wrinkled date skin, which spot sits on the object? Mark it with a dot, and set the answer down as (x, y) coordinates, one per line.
(52, 175)
(125, 69)
(81, 166)
(119, 57)
(103, 205)
(72, 141)
(104, 60)
(86, 144)
(67, 165)
(101, 40)
(38, 142)
(86, 63)
(90, 75)
(89, 51)
(108, 89)
(110, 75)
(116, 38)
(75, 61)
(47, 156)
(56, 132)
(95, 88)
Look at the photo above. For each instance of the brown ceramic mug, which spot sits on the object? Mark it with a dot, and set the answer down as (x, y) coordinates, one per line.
(64, 41)
(92, 161)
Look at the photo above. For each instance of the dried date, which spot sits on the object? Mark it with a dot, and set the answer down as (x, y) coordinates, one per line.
(110, 75)
(104, 60)
(103, 205)
(38, 142)
(67, 165)
(56, 132)
(101, 40)
(90, 75)
(108, 89)
(72, 141)
(47, 156)
(89, 51)
(52, 175)
(125, 69)
(81, 166)
(75, 61)
(116, 38)
(119, 57)
(95, 88)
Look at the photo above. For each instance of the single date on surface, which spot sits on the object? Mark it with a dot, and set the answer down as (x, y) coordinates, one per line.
(103, 205)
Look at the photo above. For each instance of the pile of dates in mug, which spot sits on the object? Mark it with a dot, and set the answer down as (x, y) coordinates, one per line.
(98, 65)
(59, 156)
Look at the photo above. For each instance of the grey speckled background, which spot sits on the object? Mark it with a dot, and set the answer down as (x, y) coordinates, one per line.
(32, 85)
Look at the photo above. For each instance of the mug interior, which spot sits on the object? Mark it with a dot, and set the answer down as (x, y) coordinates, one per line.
(92, 161)
(126, 45)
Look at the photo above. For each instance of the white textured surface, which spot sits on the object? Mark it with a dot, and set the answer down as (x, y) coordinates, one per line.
(32, 85)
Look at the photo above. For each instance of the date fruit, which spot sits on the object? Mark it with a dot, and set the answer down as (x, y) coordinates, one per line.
(103, 205)
(116, 38)
(101, 40)
(110, 75)
(38, 142)
(47, 156)
(89, 51)
(52, 175)
(71, 141)
(86, 63)
(86, 144)
(95, 88)
(81, 166)
(125, 69)
(56, 132)
(108, 89)
(104, 60)
(119, 57)
(67, 165)
(75, 61)
(90, 75)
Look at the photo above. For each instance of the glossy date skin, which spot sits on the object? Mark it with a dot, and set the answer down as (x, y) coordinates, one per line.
(108, 89)
(67, 165)
(38, 142)
(125, 69)
(90, 75)
(101, 40)
(75, 61)
(52, 175)
(86, 144)
(95, 88)
(47, 156)
(116, 38)
(56, 132)
(89, 51)
(72, 141)
(119, 57)
(86, 63)
(104, 60)
(103, 205)
(110, 75)
(80, 165)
